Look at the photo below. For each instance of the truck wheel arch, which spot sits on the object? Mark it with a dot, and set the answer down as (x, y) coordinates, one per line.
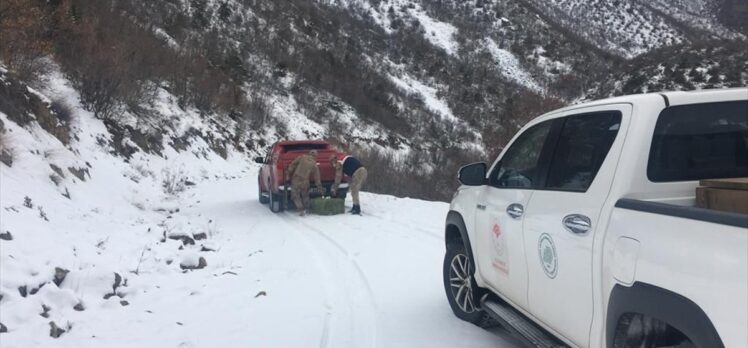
(674, 309)
(456, 232)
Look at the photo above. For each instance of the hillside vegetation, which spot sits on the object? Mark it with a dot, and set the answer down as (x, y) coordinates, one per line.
(417, 88)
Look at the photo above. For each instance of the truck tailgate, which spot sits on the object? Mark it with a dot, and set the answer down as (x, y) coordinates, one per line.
(326, 171)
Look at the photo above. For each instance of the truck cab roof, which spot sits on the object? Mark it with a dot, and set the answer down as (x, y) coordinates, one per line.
(671, 98)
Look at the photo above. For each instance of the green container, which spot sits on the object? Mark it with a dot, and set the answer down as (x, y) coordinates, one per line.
(327, 206)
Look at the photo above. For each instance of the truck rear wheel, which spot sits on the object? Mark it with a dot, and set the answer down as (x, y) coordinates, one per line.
(276, 205)
(460, 287)
(637, 330)
(264, 197)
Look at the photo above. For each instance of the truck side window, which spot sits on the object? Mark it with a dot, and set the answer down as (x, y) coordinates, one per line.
(519, 165)
(581, 148)
(700, 141)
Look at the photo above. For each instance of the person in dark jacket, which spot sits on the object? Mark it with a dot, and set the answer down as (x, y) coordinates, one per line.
(352, 168)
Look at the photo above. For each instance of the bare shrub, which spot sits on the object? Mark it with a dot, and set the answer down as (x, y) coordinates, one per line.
(143, 170)
(23, 25)
(62, 110)
(173, 180)
(111, 60)
(258, 110)
(425, 174)
(42, 213)
(6, 156)
(522, 107)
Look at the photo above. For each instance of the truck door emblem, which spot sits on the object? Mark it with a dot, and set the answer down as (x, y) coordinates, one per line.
(500, 261)
(496, 230)
(547, 253)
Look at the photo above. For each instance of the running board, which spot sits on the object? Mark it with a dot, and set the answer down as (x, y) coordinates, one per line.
(531, 334)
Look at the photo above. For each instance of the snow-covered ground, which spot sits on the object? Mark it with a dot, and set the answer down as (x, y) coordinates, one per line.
(174, 250)
(273, 281)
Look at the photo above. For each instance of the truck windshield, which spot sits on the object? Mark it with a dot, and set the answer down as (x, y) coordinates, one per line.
(700, 141)
(304, 147)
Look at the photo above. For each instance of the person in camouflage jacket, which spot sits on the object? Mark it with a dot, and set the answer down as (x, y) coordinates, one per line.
(299, 172)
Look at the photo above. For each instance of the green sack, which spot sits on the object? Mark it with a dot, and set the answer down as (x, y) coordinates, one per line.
(327, 206)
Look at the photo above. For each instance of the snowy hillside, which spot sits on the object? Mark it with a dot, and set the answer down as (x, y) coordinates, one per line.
(409, 83)
(631, 28)
(173, 249)
(624, 27)
(696, 67)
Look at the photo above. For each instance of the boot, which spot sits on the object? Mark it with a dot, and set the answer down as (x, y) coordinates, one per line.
(356, 209)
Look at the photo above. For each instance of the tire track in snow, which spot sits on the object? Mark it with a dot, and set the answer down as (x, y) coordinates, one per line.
(362, 321)
(327, 278)
(422, 231)
(325, 339)
(352, 260)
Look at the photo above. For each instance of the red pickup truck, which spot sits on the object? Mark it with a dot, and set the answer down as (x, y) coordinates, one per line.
(271, 184)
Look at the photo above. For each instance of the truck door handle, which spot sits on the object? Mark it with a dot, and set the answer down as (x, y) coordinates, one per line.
(481, 207)
(577, 223)
(515, 210)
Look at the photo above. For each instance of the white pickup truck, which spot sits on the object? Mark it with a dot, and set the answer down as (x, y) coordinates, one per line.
(584, 231)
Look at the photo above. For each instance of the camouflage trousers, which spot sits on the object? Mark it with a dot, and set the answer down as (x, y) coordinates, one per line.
(300, 193)
(357, 180)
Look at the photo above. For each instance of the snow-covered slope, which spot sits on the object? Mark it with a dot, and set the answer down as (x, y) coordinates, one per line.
(510, 67)
(429, 80)
(696, 67)
(698, 14)
(631, 28)
(89, 232)
(624, 27)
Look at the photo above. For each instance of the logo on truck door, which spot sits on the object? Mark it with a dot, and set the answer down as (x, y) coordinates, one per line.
(548, 258)
(499, 261)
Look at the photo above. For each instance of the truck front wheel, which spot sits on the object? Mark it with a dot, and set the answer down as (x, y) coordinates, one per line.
(460, 286)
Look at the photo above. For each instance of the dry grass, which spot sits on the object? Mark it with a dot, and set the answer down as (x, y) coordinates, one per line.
(423, 174)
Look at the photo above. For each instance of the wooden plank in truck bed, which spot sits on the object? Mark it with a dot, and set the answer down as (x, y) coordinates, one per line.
(732, 184)
(729, 195)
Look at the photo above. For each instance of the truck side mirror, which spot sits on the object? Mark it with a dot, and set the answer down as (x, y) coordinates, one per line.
(473, 174)
(259, 160)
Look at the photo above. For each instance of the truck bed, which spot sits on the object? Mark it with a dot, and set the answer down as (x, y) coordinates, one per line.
(685, 211)
(700, 252)
(326, 171)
